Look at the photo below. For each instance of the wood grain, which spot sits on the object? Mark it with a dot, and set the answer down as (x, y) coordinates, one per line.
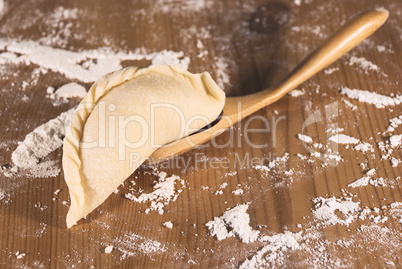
(34, 224)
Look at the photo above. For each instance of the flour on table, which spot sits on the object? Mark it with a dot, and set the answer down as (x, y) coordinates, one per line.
(329, 71)
(349, 104)
(380, 48)
(20, 255)
(168, 224)
(334, 130)
(367, 179)
(3, 195)
(363, 181)
(364, 147)
(396, 211)
(238, 192)
(297, 2)
(389, 146)
(274, 253)
(133, 244)
(305, 138)
(379, 100)
(222, 77)
(393, 124)
(326, 209)
(296, 93)
(86, 66)
(234, 222)
(363, 63)
(164, 192)
(395, 141)
(38, 144)
(395, 162)
(276, 162)
(343, 139)
(62, 94)
(108, 249)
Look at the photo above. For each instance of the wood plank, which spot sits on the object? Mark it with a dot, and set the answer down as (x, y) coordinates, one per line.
(216, 37)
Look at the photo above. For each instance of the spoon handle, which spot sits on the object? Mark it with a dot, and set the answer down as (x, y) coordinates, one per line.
(346, 38)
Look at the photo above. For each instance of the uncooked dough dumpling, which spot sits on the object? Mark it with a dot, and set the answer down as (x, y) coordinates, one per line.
(123, 119)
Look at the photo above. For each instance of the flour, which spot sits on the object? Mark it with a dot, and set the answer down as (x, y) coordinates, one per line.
(108, 249)
(364, 181)
(222, 77)
(20, 255)
(168, 224)
(305, 138)
(297, 2)
(132, 244)
(368, 179)
(349, 104)
(326, 208)
(364, 147)
(234, 222)
(395, 162)
(164, 193)
(395, 141)
(296, 93)
(65, 92)
(387, 147)
(334, 130)
(86, 66)
(363, 63)
(343, 139)
(3, 195)
(379, 100)
(329, 71)
(274, 253)
(393, 124)
(396, 211)
(380, 48)
(39, 143)
(238, 192)
(278, 162)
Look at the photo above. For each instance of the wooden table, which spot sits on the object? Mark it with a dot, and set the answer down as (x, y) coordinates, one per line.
(227, 39)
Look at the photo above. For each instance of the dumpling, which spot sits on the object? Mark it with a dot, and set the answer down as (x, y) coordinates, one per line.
(123, 119)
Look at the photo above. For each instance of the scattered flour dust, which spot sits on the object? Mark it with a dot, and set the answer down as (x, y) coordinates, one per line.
(343, 139)
(38, 144)
(222, 66)
(277, 162)
(368, 179)
(379, 100)
(3, 195)
(363, 63)
(164, 192)
(305, 138)
(132, 244)
(393, 124)
(62, 94)
(108, 249)
(363, 181)
(234, 222)
(86, 66)
(395, 141)
(296, 93)
(364, 147)
(326, 209)
(274, 253)
(168, 224)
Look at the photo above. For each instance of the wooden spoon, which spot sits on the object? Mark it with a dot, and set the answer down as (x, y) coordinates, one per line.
(237, 108)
